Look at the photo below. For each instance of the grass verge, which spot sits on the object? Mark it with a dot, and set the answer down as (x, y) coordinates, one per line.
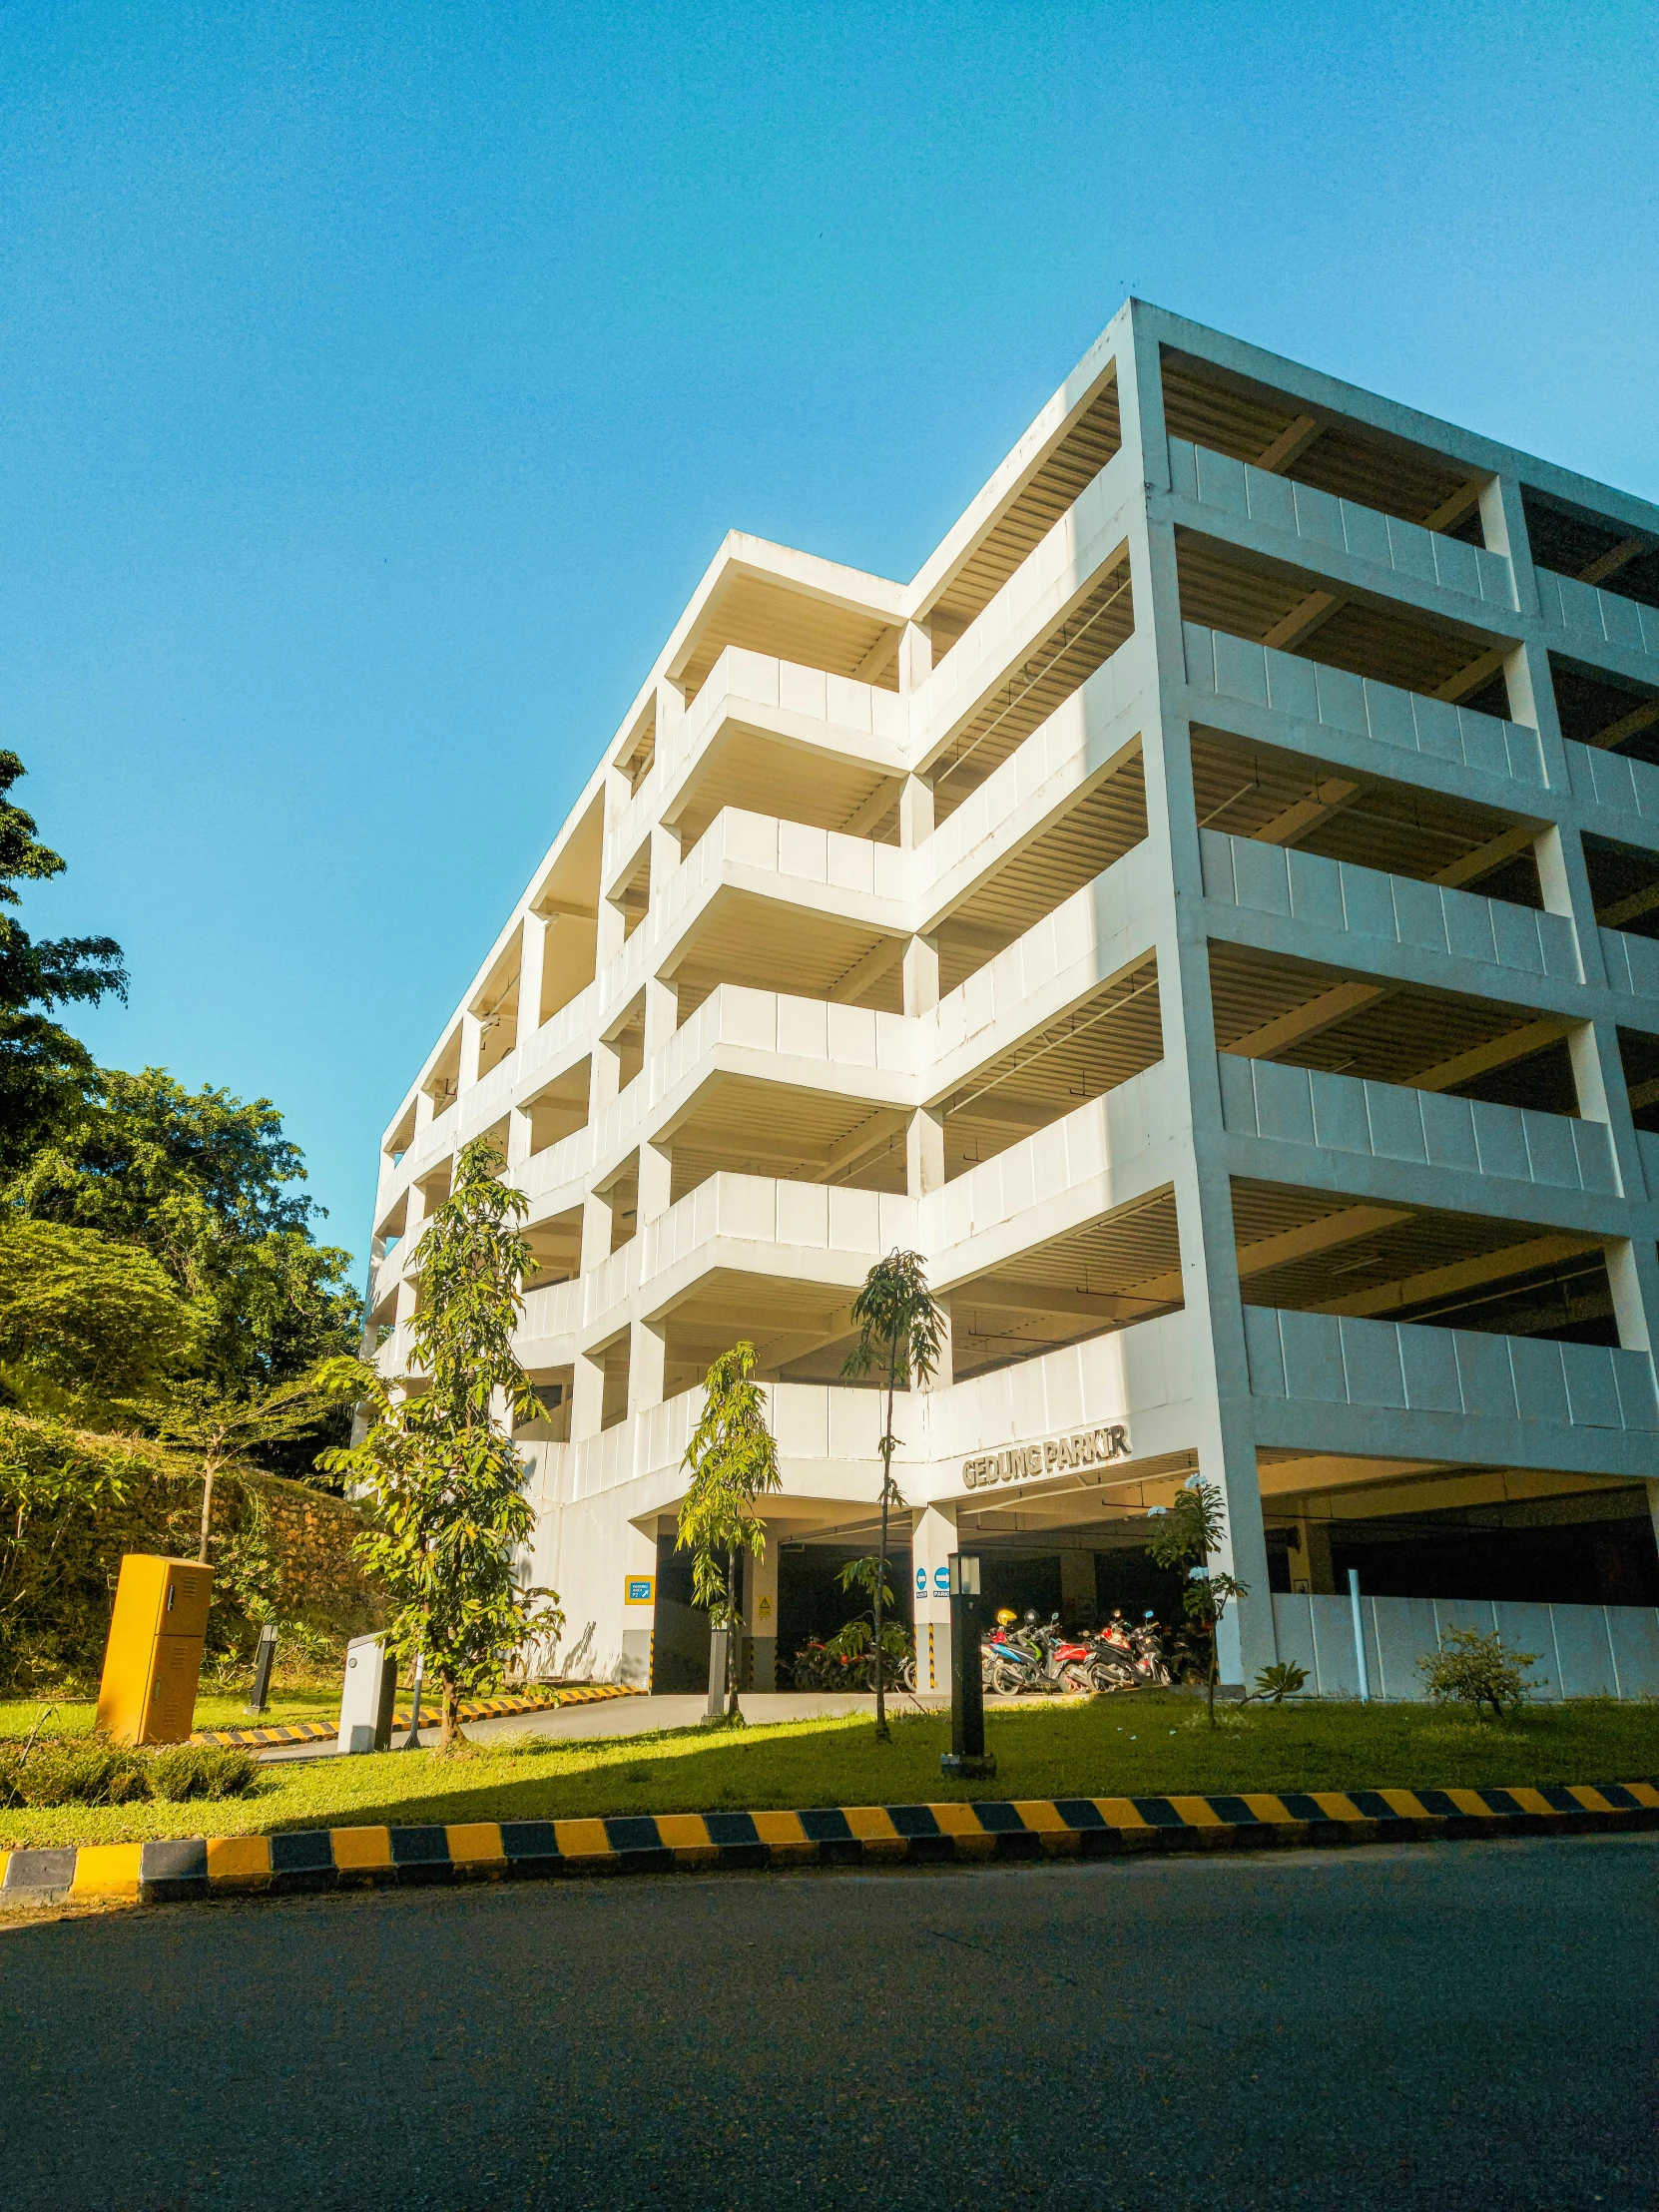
(1155, 1745)
(75, 1718)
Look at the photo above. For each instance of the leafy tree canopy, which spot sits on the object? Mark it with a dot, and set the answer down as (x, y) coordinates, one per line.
(44, 1071)
(84, 1320)
(202, 1181)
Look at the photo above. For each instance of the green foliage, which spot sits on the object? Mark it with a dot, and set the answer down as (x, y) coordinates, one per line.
(733, 1461)
(901, 1333)
(1472, 1669)
(218, 1428)
(868, 1574)
(858, 1638)
(212, 1771)
(1196, 1525)
(44, 1071)
(72, 1502)
(84, 1320)
(439, 1465)
(1274, 1684)
(202, 1182)
(1192, 1528)
(86, 1771)
(83, 1772)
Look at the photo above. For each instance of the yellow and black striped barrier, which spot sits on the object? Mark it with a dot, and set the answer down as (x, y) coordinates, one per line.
(842, 1834)
(470, 1709)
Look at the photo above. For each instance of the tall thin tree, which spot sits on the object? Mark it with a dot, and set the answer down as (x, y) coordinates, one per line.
(901, 1330)
(1195, 1526)
(441, 1467)
(733, 1461)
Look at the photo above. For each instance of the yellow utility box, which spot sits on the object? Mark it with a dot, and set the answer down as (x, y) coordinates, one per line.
(154, 1655)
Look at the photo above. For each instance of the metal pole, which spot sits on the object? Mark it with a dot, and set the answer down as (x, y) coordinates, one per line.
(1358, 1635)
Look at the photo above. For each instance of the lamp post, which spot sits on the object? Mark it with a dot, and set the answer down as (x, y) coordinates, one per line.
(968, 1754)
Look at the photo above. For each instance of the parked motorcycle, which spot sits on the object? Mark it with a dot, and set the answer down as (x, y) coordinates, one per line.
(1011, 1659)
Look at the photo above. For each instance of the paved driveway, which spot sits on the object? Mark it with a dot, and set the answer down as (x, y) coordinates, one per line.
(1440, 2027)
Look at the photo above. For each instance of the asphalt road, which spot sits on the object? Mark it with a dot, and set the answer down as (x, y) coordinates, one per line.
(1444, 2027)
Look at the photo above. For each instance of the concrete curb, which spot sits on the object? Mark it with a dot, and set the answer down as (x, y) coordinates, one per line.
(196, 1867)
(473, 1709)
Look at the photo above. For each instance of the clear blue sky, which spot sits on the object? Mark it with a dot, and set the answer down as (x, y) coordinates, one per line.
(377, 380)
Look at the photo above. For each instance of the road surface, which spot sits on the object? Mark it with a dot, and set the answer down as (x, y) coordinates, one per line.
(1446, 2026)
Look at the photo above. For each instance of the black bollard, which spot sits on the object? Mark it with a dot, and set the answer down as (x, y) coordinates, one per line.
(264, 1652)
(968, 1754)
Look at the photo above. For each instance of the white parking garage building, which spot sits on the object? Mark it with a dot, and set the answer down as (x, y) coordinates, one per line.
(1210, 913)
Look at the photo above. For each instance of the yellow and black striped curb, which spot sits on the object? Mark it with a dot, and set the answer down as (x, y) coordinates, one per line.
(473, 1709)
(645, 1843)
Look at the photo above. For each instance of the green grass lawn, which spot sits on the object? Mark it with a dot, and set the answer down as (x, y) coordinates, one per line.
(1152, 1745)
(75, 1717)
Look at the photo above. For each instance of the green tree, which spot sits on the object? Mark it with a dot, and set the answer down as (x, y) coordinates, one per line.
(44, 1071)
(219, 1429)
(203, 1183)
(444, 1480)
(901, 1333)
(84, 1320)
(1195, 1526)
(733, 1461)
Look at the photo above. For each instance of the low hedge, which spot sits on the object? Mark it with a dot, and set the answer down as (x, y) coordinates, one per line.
(86, 1770)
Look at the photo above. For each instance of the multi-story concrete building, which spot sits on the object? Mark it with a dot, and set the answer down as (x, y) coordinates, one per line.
(1207, 913)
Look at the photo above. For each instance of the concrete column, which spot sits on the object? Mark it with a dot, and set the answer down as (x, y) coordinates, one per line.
(611, 934)
(1077, 1589)
(915, 813)
(1224, 1420)
(587, 1397)
(662, 1016)
(1315, 1548)
(518, 1136)
(915, 658)
(921, 975)
(638, 1621)
(646, 1347)
(925, 1153)
(655, 1180)
(944, 1374)
(425, 1107)
(932, 1540)
(604, 1077)
(760, 1617)
(596, 1231)
(472, 1039)
(532, 960)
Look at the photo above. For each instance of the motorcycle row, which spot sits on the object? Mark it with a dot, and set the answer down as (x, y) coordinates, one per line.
(1020, 1656)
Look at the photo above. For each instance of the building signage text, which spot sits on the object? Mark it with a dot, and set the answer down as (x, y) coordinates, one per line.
(1085, 1448)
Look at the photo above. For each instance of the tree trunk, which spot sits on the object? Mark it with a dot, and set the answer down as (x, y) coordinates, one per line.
(882, 1733)
(447, 1713)
(1215, 1669)
(207, 1471)
(731, 1706)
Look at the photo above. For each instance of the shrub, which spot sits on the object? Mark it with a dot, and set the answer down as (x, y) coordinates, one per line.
(77, 1774)
(187, 1771)
(1472, 1669)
